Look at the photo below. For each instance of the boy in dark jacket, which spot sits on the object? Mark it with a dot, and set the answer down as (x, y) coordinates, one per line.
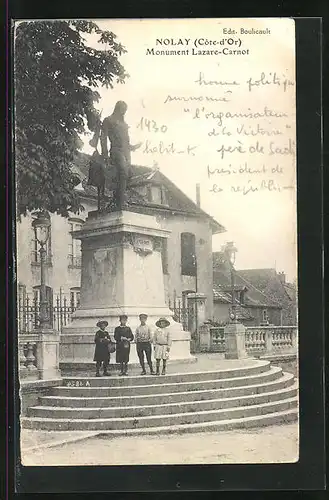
(123, 336)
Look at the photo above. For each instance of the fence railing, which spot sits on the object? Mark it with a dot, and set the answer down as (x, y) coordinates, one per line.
(271, 340)
(259, 340)
(27, 350)
(217, 339)
(180, 310)
(61, 308)
(59, 312)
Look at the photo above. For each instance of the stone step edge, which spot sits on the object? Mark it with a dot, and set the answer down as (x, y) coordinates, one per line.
(284, 378)
(257, 420)
(260, 364)
(169, 415)
(276, 418)
(282, 392)
(273, 369)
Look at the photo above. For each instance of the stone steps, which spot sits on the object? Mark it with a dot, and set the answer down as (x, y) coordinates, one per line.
(192, 385)
(171, 378)
(125, 423)
(275, 418)
(252, 394)
(161, 409)
(162, 398)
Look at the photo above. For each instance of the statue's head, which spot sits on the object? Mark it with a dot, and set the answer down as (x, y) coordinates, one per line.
(120, 108)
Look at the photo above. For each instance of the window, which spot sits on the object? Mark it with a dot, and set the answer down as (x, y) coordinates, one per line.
(157, 194)
(164, 197)
(74, 298)
(265, 317)
(35, 254)
(164, 255)
(74, 255)
(188, 256)
(149, 194)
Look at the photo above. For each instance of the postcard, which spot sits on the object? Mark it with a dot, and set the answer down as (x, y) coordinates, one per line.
(155, 164)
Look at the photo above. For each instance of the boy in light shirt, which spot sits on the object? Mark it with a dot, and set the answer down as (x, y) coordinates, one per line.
(143, 339)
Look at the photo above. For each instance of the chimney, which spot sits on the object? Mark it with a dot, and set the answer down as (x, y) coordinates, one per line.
(282, 277)
(198, 194)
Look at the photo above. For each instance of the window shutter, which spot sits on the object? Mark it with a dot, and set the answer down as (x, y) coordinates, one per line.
(188, 256)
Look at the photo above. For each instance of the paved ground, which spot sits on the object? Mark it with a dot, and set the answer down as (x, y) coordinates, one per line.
(275, 444)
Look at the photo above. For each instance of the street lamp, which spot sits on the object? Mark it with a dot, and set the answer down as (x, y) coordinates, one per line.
(195, 264)
(231, 251)
(41, 226)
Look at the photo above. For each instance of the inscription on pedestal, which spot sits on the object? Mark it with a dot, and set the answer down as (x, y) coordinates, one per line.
(143, 245)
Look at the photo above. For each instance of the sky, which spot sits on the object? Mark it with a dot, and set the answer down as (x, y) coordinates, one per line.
(236, 137)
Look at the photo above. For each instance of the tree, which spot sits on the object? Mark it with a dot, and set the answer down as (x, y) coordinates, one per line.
(56, 79)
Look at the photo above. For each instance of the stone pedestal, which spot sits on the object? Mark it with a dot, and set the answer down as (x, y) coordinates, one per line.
(121, 273)
(196, 303)
(48, 354)
(234, 334)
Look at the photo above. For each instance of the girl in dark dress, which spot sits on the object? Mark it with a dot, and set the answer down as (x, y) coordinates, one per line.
(123, 336)
(102, 355)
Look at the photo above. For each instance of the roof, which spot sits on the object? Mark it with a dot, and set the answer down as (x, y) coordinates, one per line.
(177, 200)
(258, 277)
(265, 286)
(253, 296)
(268, 281)
(290, 290)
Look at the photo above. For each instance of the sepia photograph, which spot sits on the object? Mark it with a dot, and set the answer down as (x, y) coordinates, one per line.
(156, 241)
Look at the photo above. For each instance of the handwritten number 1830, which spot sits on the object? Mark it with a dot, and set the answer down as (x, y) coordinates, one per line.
(151, 126)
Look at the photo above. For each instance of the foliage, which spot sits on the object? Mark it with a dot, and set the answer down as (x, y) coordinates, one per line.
(56, 79)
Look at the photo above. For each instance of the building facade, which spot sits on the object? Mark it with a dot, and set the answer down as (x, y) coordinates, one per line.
(186, 256)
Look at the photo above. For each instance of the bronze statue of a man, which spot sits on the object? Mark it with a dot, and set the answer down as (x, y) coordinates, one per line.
(115, 129)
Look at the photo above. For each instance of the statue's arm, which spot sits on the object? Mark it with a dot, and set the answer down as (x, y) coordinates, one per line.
(136, 146)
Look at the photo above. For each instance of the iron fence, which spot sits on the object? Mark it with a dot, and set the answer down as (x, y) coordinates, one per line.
(61, 307)
(59, 312)
(181, 314)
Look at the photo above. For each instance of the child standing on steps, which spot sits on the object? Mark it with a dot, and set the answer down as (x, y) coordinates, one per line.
(143, 339)
(162, 344)
(123, 336)
(102, 355)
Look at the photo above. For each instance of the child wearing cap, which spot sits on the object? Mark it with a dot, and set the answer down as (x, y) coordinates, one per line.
(102, 355)
(143, 338)
(162, 344)
(123, 336)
